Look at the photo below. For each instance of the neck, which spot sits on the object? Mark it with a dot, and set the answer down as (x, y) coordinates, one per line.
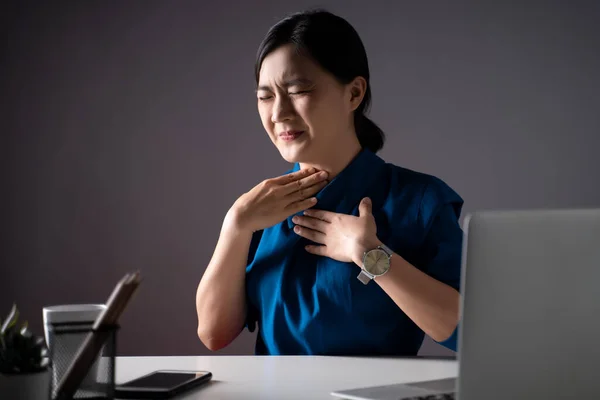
(336, 160)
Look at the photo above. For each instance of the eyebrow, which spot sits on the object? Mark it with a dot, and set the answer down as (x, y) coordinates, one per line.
(287, 84)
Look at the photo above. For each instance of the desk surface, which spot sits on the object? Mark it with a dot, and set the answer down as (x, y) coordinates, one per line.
(288, 377)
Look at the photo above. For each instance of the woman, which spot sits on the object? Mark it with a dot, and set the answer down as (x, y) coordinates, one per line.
(291, 249)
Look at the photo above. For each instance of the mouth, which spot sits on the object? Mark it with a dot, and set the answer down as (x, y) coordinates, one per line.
(289, 136)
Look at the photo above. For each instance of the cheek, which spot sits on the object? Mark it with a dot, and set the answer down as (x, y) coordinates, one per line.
(312, 110)
(265, 118)
(323, 114)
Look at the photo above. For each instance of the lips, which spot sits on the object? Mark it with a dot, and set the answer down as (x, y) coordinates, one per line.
(289, 136)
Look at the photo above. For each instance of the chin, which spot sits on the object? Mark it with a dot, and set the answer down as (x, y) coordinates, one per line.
(291, 157)
(294, 154)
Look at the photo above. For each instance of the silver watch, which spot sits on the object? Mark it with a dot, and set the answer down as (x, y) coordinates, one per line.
(376, 262)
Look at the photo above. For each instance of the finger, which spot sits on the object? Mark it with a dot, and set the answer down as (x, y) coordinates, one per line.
(307, 233)
(310, 222)
(317, 250)
(305, 182)
(309, 191)
(293, 176)
(365, 207)
(301, 205)
(326, 216)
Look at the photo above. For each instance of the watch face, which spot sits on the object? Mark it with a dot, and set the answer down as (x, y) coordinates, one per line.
(376, 262)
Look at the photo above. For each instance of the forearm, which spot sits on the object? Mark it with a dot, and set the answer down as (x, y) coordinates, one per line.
(220, 299)
(431, 304)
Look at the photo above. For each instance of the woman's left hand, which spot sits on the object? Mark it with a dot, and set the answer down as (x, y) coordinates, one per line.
(341, 237)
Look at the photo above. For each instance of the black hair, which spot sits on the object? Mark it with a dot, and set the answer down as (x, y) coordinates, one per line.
(335, 45)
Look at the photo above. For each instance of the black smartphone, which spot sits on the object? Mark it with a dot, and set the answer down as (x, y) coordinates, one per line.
(162, 384)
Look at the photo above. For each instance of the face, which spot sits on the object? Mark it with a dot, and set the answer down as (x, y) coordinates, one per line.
(307, 113)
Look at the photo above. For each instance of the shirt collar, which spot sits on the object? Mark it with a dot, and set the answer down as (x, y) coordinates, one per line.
(348, 188)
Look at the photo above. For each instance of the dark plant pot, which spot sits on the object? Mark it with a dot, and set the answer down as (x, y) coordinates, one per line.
(32, 386)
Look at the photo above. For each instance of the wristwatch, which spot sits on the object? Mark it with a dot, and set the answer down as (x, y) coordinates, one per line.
(376, 262)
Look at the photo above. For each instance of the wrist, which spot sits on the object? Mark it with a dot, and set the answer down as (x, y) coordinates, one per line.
(234, 222)
(363, 247)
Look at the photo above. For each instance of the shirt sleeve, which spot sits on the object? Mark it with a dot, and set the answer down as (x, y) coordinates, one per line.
(251, 311)
(443, 245)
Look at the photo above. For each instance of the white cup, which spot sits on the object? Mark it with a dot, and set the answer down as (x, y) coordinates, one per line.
(84, 314)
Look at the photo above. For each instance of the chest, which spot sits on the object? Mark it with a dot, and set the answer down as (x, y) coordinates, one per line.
(283, 274)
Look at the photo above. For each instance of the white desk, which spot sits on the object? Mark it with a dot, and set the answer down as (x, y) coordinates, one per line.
(289, 377)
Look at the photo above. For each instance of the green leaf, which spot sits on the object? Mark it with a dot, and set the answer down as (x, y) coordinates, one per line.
(20, 350)
(11, 320)
(25, 330)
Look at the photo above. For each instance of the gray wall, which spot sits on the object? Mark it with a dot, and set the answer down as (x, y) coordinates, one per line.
(129, 128)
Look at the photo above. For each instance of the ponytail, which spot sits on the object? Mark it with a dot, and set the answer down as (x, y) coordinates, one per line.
(370, 136)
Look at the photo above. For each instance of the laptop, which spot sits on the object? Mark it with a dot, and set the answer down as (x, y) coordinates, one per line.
(530, 311)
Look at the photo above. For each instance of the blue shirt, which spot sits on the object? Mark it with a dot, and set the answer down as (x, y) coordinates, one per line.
(308, 304)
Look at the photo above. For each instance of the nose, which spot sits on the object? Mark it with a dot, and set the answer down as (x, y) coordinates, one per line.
(282, 109)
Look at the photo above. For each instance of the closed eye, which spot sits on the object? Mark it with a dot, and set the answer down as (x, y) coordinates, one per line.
(297, 93)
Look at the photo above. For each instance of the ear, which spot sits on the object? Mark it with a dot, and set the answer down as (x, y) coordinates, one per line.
(357, 88)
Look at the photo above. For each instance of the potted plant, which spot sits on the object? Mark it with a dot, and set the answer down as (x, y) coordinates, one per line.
(24, 361)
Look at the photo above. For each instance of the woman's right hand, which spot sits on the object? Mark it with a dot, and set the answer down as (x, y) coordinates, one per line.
(275, 199)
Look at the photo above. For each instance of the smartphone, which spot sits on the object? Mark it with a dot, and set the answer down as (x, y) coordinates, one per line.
(162, 384)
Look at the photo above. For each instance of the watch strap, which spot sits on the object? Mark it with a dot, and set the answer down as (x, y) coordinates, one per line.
(386, 249)
(364, 277)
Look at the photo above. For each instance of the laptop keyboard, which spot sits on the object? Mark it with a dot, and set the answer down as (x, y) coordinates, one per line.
(439, 396)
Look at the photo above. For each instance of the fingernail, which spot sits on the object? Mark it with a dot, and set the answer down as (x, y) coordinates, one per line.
(296, 229)
(295, 219)
(368, 200)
